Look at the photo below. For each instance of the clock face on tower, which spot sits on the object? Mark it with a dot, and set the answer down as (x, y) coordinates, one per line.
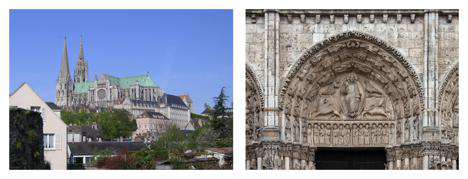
(101, 93)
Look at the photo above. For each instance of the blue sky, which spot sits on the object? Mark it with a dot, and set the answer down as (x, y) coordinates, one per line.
(184, 51)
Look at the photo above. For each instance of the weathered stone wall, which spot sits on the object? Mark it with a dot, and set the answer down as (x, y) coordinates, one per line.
(300, 30)
(448, 45)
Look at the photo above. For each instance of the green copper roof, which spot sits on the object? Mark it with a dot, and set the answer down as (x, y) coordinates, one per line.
(143, 80)
(126, 82)
(83, 87)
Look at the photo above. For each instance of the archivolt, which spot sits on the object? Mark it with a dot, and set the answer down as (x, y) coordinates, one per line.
(353, 51)
(448, 103)
(252, 82)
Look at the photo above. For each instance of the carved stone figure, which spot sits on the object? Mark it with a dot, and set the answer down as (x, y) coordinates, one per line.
(328, 134)
(361, 134)
(415, 129)
(355, 135)
(398, 131)
(335, 139)
(322, 133)
(316, 134)
(386, 133)
(309, 134)
(288, 133)
(351, 95)
(407, 131)
(375, 103)
(296, 164)
(327, 107)
(366, 134)
(374, 134)
(342, 135)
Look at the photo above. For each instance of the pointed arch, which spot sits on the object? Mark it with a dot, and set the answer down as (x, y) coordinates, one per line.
(252, 80)
(351, 39)
(448, 101)
(254, 106)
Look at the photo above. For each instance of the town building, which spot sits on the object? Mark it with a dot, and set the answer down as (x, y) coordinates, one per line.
(86, 153)
(54, 129)
(325, 87)
(84, 133)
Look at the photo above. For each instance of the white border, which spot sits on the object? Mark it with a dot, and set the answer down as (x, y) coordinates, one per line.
(239, 7)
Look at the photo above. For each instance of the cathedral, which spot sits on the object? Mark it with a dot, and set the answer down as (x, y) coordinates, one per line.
(352, 89)
(135, 94)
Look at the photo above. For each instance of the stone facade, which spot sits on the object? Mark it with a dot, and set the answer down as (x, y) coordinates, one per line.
(352, 79)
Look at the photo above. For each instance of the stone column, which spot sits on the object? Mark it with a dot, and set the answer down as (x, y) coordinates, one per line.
(272, 80)
(398, 158)
(259, 151)
(431, 20)
(426, 162)
(311, 158)
(286, 163)
(259, 163)
(431, 160)
(454, 164)
(390, 157)
(247, 164)
(398, 164)
(407, 164)
(414, 161)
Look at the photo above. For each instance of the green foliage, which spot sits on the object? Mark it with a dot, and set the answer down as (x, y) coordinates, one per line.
(78, 118)
(115, 124)
(202, 138)
(197, 116)
(208, 109)
(141, 160)
(171, 144)
(26, 140)
(221, 121)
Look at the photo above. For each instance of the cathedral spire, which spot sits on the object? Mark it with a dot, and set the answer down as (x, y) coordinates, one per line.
(81, 55)
(64, 67)
(81, 70)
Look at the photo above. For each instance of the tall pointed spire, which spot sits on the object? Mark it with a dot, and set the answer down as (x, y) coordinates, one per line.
(81, 69)
(81, 55)
(64, 67)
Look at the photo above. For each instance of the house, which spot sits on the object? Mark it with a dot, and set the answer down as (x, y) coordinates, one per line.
(223, 155)
(54, 129)
(84, 134)
(86, 152)
(150, 125)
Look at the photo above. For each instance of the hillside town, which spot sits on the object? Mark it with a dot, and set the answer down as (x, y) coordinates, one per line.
(116, 123)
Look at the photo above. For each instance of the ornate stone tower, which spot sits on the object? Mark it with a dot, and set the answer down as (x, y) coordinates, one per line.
(64, 84)
(81, 70)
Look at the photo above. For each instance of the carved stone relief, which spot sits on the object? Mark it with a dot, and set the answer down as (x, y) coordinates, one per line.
(352, 134)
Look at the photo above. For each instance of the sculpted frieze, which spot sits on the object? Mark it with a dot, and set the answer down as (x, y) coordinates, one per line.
(349, 134)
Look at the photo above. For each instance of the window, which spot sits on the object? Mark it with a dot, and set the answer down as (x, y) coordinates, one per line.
(36, 108)
(49, 141)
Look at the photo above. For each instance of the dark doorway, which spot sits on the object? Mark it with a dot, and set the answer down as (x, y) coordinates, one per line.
(350, 159)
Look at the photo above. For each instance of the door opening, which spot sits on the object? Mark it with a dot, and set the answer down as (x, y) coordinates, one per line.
(350, 158)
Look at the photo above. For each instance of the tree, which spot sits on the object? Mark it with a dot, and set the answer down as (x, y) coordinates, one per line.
(221, 121)
(77, 118)
(115, 124)
(26, 140)
(202, 138)
(208, 110)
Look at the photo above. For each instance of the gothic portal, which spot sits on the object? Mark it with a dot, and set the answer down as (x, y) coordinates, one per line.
(323, 83)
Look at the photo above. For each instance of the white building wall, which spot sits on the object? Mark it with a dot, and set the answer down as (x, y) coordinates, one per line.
(24, 98)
